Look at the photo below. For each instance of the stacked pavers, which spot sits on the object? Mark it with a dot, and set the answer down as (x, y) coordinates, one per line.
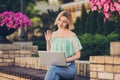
(115, 48)
(83, 68)
(8, 52)
(27, 47)
(105, 68)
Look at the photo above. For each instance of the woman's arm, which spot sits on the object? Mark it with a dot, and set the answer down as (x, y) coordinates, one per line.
(77, 49)
(48, 45)
(48, 35)
(74, 57)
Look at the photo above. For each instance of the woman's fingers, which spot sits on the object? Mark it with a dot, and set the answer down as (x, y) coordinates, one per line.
(48, 32)
(47, 35)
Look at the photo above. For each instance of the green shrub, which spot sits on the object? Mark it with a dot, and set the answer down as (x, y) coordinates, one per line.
(96, 44)
(41, 44)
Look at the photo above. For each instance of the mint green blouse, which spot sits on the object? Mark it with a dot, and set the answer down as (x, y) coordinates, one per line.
(67, 45)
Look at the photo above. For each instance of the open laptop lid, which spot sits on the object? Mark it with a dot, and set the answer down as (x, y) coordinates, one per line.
(52, 58)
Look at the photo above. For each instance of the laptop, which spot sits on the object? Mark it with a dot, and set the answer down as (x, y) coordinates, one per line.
(52, 58)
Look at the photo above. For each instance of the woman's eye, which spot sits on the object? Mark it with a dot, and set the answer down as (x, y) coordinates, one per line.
(64, 21)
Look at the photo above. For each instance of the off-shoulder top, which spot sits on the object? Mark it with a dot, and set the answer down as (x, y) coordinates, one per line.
(68, 45)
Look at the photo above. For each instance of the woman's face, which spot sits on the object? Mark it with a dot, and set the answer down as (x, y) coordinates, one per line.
(62, 22)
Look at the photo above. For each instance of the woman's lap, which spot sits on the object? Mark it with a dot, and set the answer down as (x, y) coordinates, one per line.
(63, 72)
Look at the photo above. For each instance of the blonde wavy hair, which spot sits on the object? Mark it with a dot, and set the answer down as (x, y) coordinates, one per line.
(67, 15)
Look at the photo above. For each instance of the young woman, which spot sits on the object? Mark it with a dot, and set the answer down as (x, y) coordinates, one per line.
(63, 40)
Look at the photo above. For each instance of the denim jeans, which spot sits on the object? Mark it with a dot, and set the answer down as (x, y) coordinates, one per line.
(58, 72)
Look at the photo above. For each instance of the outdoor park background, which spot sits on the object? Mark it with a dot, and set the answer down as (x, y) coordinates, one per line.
(95, 34)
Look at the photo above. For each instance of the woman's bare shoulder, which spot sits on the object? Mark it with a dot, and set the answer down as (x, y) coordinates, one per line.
(72, 34)
(54, 33)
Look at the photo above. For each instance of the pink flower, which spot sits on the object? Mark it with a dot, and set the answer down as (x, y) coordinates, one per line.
(103, 1)
(94, 8)
(117, 6)
(107, 15)
(99, 5)
(14, 20)
(112, 8)
(107, 7)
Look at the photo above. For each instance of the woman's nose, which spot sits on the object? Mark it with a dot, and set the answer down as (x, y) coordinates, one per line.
(60, 22)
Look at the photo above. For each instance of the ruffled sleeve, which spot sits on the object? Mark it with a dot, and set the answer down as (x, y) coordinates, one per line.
(76, 44)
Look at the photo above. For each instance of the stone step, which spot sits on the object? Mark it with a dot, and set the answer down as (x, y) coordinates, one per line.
(29, 73)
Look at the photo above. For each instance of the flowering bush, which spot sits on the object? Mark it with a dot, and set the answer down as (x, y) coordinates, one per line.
(109, 8)
(14, 20)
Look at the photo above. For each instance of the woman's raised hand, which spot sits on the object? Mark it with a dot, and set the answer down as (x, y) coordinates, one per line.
(48, 35)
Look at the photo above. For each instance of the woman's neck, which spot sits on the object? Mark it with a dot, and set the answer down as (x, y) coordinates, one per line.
(62, 30)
